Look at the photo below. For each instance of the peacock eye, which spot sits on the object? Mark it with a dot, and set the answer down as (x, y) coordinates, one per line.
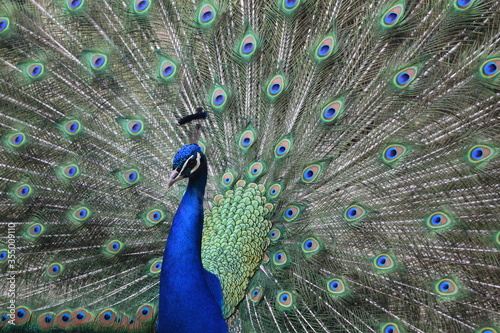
(74, 4)
(390, 328)
(280, 258)
(255, 294)
(446, 287)
(145, 313)
(35, 70)
(463, 4)
(155, 267)
(284, 299)
(54, 270)
(384, 263)
(141, 5)
(4, 24)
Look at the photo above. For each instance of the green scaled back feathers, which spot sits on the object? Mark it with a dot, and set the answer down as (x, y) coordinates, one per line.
(237, 218)
(352, 152)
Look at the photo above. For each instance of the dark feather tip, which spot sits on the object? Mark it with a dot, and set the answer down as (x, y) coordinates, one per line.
(200, 114)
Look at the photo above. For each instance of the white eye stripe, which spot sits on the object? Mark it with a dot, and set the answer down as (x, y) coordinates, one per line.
(198, 162)
(184, 166)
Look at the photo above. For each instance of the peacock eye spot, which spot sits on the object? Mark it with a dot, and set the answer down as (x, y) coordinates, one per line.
(308, 245)
(65, 317)
(142, 5)
(273, 191)
(335, 286)
(131, 322)
(285, 299)
(248, 47)
(219, 99)
(311, 173)
(403, 78)
(480, 153)
(99, 61)
(436, 219)
(290, 3)
(136, 127)
(75, 4)
(131, 176)
(158, 265)
(18, 139)
(3, 255)
(446, 287)
(48, 319)
(275, 88)
(3, 24)
(384, 262)
(167, 71)
(389, 329)
(464, 3)
(80, 315)
(73, 127)
(24, 191)
(246, 141)
(36, 70)
(391, 18)
(352, 212)
(330, 113)
(477, 153)
(323, 50)
(391, 153)
(207, 16)
(71, 171)
(21, 313)
(490, 68)
(108, 315)
(145, 311)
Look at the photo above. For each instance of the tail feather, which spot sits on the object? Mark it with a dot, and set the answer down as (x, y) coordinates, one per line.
(372, 126)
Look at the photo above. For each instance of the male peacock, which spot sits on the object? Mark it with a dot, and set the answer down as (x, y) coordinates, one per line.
(349, 161)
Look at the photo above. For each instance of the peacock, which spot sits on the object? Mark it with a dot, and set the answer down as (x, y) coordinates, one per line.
(249, 166)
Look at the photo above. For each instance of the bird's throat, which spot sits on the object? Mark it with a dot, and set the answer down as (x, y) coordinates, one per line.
(187, 303)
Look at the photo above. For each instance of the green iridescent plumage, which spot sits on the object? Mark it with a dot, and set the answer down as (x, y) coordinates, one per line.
(352, 152)
(238, 218)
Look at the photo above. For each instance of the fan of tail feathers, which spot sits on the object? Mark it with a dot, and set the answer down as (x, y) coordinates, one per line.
(360, 136)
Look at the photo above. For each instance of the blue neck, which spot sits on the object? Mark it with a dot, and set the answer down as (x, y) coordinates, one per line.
(187, 299)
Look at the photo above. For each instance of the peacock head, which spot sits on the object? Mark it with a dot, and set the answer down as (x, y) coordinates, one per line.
(186, 162)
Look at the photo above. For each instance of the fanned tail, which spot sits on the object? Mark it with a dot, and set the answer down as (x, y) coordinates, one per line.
(364, 134)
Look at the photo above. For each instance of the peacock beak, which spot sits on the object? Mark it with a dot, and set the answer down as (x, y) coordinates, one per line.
(174, 178)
